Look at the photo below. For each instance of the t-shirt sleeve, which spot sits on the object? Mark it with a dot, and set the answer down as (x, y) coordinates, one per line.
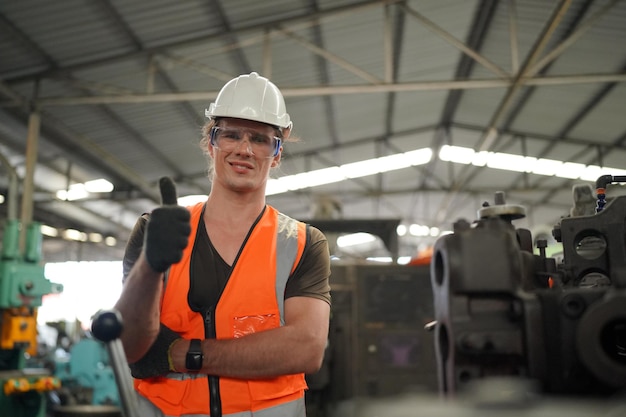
(312, 276)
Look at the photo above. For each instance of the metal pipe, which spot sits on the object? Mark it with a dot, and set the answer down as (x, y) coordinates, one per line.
(12, 191)
(32, 140)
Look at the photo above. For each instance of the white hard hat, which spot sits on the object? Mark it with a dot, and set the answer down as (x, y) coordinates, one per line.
(251, 97)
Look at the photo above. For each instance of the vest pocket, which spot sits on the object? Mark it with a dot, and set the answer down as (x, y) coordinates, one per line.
(164, 393)
(243, 325)
(174, 397)
(275, 388)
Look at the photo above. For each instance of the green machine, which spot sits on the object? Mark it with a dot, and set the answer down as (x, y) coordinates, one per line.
(22, 285)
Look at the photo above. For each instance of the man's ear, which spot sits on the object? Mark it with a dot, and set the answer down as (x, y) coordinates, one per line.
(210, 149)
(276, 159)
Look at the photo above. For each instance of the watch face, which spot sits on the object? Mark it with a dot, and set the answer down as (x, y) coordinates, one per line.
(193, 360)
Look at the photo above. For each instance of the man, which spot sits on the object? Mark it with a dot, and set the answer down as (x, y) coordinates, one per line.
(226, 303)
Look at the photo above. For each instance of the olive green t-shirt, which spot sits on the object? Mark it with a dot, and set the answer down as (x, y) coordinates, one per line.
(210, 272)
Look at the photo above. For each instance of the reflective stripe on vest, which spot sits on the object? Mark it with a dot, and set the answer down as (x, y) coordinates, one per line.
(295, 408)
(269, 256)
(286, 251)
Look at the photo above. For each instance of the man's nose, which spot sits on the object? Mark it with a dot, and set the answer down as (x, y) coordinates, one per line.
(247, 148)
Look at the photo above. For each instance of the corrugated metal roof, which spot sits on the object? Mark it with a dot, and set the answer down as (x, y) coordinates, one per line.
(122, 88)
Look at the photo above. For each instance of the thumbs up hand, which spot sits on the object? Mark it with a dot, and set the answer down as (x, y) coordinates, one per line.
(167, 231)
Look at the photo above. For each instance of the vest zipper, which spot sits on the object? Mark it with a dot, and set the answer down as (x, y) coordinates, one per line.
(214, 381)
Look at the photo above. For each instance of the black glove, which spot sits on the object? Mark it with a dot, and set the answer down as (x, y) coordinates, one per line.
(167, 230)
(155, 362)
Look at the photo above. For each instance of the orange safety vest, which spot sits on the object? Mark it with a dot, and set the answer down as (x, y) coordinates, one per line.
(252, 301)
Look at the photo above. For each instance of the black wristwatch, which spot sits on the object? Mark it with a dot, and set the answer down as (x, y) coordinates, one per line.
(193, 360)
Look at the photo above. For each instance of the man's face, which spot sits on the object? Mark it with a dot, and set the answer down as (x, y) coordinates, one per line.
(243, 152)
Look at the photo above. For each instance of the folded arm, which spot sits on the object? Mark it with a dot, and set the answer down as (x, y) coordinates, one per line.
(296, 347)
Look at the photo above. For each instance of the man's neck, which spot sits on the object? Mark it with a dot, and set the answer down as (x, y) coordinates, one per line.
(229, 206)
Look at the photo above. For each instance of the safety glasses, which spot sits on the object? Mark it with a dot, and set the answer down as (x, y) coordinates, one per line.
(228, 139)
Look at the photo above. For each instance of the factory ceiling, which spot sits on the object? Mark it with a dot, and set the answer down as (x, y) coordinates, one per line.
(116, 90)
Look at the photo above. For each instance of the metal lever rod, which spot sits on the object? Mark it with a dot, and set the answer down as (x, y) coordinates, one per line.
(107, 327)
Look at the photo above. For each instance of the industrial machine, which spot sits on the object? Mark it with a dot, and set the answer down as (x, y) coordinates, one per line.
(86, 375)
(22, 286)
(505, 310)
(378, 346)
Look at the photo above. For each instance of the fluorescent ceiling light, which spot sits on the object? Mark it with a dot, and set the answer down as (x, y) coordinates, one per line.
(354, 239)
(77, 235)
(49, 231)
(592, 173)
(570, 170)
(75, 192)
(420, 156)
(276, 186)
(519, 163)
(509, 161)
(80, 190)
(419, 230)
(480, 158)
(544, 166)
(381, 259)
(315, 178)
(352, 170)
(456, 154)
(95, 237)
(72, 234)
(362, 168)
(99, 186)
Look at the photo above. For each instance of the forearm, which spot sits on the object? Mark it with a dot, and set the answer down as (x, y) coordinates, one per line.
(296, 347)
(139, 305)
(281, 351)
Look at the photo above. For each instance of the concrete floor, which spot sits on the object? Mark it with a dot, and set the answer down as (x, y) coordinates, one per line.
(494, 398)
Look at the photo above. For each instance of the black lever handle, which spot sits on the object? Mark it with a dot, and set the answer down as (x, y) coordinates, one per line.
(107, 327)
